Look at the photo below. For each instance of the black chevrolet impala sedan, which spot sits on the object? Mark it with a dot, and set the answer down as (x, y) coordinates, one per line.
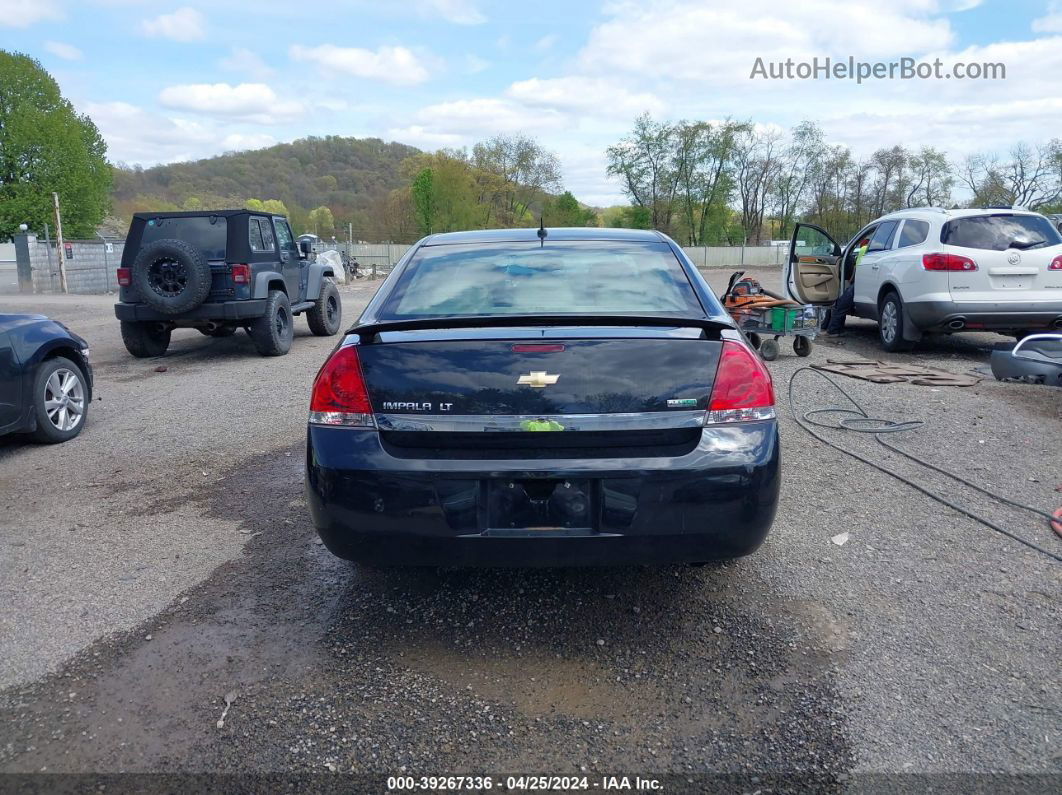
(560, 397)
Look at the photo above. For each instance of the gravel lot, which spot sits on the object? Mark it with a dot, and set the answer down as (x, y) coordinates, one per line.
(164, 560)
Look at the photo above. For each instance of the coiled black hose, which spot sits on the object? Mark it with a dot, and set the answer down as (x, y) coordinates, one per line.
(856, 419)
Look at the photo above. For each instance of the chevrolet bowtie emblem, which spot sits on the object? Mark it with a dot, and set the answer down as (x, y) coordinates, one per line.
(538, 379)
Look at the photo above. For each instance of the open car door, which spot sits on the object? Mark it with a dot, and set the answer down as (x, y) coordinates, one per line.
(813, 269)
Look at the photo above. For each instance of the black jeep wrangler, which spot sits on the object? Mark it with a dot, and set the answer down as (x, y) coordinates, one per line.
(218, 271)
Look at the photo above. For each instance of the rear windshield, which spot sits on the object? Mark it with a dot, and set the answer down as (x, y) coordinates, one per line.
(599, 276)
(1000, 232)
(207, 233)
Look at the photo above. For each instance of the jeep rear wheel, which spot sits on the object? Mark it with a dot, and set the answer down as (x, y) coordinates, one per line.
(327, 312)
(272, 332)
(145, 340)
(171, 276)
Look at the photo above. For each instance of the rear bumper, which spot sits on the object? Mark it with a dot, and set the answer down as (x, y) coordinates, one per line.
(989, 315)
(224, 310)
(717, 501)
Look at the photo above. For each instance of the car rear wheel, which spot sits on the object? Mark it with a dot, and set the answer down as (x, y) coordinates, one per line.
(272, 332)
(60, 400)
(145, 340)
(327, 312)
(890, 324)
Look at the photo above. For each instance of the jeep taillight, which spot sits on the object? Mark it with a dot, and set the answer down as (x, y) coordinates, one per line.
(125, 277)
(241, 274)
(742, 390)
(339, 396)
(947, 262)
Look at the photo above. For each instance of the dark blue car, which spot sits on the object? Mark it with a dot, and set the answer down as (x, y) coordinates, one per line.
(45, 378)
(543, 397)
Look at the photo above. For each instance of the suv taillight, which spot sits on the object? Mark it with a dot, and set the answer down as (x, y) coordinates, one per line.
(125, 277)
(742, 390)
(241, 274)
(947, 262)
(1056, 264)
(339, 396)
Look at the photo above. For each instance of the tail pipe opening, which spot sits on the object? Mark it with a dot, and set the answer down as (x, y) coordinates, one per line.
(957, 324)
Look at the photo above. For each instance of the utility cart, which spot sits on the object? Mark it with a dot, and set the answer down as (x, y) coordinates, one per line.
(766, 317)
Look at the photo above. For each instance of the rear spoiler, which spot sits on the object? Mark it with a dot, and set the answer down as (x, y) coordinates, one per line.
(370, 330)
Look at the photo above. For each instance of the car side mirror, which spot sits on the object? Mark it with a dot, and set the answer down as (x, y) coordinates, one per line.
(305, 248)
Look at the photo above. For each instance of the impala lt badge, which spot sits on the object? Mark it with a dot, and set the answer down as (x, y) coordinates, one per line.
(538, 379)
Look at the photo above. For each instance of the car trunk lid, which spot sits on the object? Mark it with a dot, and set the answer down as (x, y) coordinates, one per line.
(540, 373)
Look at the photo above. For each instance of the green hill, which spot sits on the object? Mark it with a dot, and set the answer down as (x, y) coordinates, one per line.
(345, 174)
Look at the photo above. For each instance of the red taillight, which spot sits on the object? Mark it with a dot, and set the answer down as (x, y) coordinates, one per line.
(520, 347)
(947, 262)
(1056, 264)
(125, 277)
(241, 274)
(339, 396)
(742, 390)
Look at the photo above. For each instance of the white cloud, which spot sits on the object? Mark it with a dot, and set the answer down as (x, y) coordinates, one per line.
(241, 59)
(135, 135)
(481, 118)
(546, 42)
(700, 42)
(418, 135)
(460, 12)
(255, 102)
(235, 142)
(184, 25)
(68, 52)
(397, 65)
(586, 95)
(1051, 22)
(23, 13)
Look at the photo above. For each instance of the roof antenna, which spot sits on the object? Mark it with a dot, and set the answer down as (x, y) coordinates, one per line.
(541, 232)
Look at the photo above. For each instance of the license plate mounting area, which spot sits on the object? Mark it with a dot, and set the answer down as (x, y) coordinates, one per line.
(529, 506)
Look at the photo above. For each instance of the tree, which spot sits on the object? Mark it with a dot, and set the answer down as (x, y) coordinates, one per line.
(565, 210)
(702, 163)
(932, 179)
(422, 191)
(273, 206)
(514, 171)
(644, 161)
(756, 167)
(322, 221)
(442, 191)
(46, 147)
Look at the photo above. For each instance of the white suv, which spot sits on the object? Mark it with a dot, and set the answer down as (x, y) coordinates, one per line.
(930, 269)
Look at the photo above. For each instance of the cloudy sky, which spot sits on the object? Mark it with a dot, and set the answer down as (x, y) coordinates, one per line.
(180, 79)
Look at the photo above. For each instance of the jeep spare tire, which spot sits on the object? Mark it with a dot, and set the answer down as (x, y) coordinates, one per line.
(171, 276)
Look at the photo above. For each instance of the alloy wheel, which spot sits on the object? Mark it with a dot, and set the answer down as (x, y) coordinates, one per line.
(167, 277)
(889, 321)
(64, 399)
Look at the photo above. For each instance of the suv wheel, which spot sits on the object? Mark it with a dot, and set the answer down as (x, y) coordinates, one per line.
(327, 312)
(890, 324)
(145, 340)
(171, 276)
(60, 400)
(273, 331)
